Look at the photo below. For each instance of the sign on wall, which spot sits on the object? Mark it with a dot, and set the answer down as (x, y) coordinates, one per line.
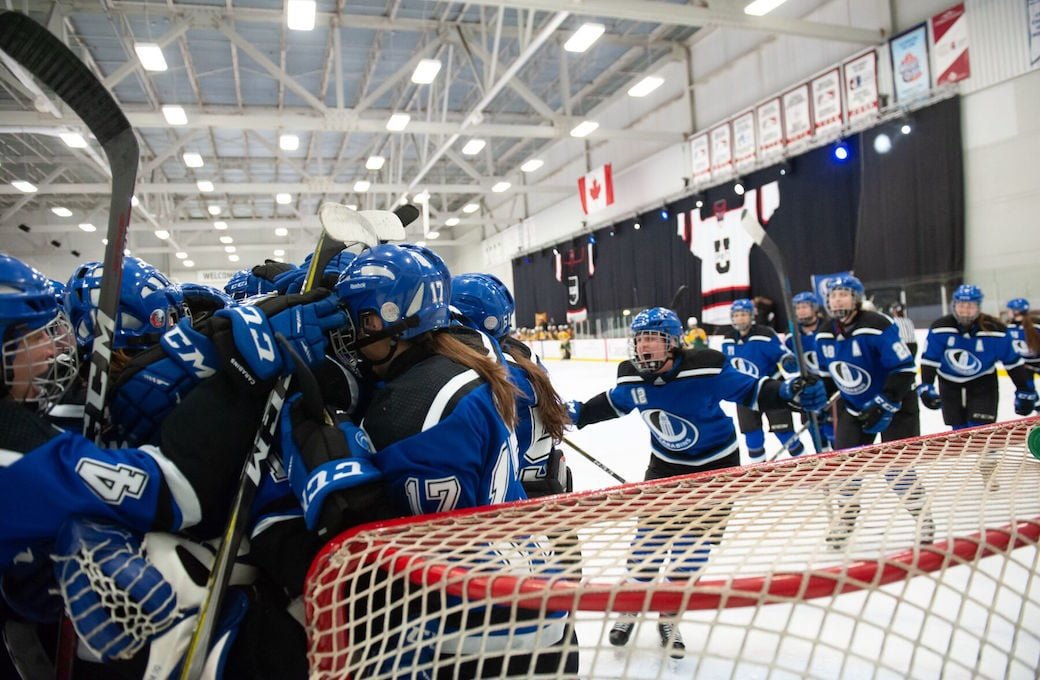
(797, 123)
(910, 71)
(949, 30)
(744, 139)
(770, 128)
(699, 155)
(721, 149)
(861, 87)
(826, 92)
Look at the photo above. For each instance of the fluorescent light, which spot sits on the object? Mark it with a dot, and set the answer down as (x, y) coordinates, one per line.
(299, 15)
(279, 259)
(426, 70)
(500, 187)
(362, 185)
(421, 244)
(470, 208)
(151, 56)
(181, 255)
(230, 249)
(24, 187)
(432, 235)
(762, 7)
(398, 122)
(645, 86)
(126, 251)
(232, 258)
(281, 231)
(351, 206)
(288, 142)
(473, 147)
(192, 159)
(162, 234)
(283, 199)
(584, 128)
(532, 165)
(375, 163)
(227, 240)
(73, 140)
(175, 115)
(104, 241)
(220, 225)
(584, 37)
(133, 201)
(451, 221)
(279, 252)
(213, 210)
(422, 197)
(87, 227)
(61, 212)
(204, 185)
(189, 263)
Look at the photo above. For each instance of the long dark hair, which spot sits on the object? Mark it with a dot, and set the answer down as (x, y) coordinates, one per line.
(1031, 333)
(550, 405)
(494, 374)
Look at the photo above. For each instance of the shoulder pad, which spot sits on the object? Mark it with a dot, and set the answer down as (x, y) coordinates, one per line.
(868, 319)
(515, 345)
(627, 369)
(944, 322)
(759, 329)
(702, 358)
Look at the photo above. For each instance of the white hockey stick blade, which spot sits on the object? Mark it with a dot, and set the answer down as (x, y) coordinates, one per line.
(386, 224)
(346, 225)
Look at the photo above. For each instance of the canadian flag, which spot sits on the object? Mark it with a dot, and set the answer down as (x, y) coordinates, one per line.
(596, 190)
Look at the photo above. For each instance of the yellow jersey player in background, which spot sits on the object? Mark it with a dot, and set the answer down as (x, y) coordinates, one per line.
(695, 336)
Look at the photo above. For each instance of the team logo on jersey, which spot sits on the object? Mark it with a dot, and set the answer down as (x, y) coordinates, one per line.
(812, 362)
(1021, 347)
(962, 361)
(744, 366)
(850, 378)
(670, 431)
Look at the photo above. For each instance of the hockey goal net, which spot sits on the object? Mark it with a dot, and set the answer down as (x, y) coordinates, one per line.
(910, 559)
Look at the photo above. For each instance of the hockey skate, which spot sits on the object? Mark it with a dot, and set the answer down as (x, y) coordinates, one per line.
(671, 637)
(622, 630)
(987, 466)
(842, 527)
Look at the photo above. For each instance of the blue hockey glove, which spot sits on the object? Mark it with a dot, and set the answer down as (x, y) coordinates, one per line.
(807, 394)
(929, 396)
(302, 319)
(290, 282)
(878, 416)
(331, 470)
(117, 600)
(280, 274)
(1025, 402)
(574, 411)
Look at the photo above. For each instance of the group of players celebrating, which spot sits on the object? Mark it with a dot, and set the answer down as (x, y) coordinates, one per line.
(436, 408)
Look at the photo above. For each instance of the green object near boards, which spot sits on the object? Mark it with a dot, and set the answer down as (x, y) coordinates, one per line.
(1034, 442)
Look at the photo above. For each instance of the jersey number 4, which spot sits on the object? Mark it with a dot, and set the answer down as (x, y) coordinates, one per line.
(112, 483)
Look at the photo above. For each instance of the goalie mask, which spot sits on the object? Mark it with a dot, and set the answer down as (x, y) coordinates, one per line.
(656, 338)
(37, 357)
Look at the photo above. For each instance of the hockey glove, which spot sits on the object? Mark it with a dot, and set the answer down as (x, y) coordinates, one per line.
(878, 416)
(1025, 402)
(807, 394)
(117, 600)
(281, 274)
(929, 396)
(29, 589)
(256, 356)
(331, 470)
(574, 411)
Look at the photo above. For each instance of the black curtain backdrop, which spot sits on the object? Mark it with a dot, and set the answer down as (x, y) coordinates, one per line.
(885, 216)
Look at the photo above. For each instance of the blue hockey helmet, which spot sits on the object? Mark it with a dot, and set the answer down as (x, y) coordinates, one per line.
(31, 318)
(405, 287)
(483, 302)
(245, 284)
(967, 292)
(853, 285)
(656, 322)
(738, 307)
(335, 266)
(970, 294)
(806, 297)
(149, 304)
(1018, 305)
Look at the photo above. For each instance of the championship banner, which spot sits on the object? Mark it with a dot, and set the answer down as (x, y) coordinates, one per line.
(861, 87)
(744, 139)
(721, 149)
(596, 189)
(910, 71)
(701, 161)
(770, 128)
(797, 123)
(826, 91)
(950, 60)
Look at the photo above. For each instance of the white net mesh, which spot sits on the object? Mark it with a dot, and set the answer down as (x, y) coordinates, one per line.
(862, 563)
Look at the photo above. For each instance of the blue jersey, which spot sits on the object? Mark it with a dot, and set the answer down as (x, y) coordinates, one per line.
(809, 351)
(440, 442)
(756, 354)
(682, 407)
(861, 357)
(961, 356)
(533, 443)
(1021, 345)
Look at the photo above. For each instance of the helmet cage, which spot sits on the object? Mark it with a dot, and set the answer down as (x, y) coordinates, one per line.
(648, 362)
(43, 381)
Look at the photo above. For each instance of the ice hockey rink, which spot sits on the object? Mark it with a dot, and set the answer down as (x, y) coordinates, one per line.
(715, 639)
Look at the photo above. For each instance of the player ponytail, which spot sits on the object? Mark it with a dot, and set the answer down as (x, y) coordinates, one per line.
(494, 374)
(990, 323)
(550, 406)
(1032, 334)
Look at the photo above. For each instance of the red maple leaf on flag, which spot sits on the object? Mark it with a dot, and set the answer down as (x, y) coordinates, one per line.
(595, 188)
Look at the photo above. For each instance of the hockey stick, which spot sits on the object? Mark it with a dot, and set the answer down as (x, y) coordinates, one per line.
(26, 651)
(407, 213)
(595, 462)
(768, 246)
(679, 292)
(805, 426)
(340, 227)
(45, 56)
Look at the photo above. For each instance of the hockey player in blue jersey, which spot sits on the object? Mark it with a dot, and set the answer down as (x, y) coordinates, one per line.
(756, 350)
(678, 393)
(809, 317)
(50, 480)
(963, 349)
(440, 421)
(484, 303)
(1024, 334)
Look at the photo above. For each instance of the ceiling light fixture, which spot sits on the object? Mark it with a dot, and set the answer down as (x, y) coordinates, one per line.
(583, 38)
(281, 231)
(432, 235)
(532, 165)
(451, 221)
(232, 258)
(760, 8)
(584, 128)
(398, 122)
(362, 185)
(175, 115)
(470, 208)
(73, 140)
(220, 225)
(87, 227)
(425, 71)
(181, 255)
(192, 159)
(189, 263)
(501, 186)
(204, 185)
(299, 15)
(283, 199)
(227, 240)
(288, 142)
(375, 163)
(151, 56)
(24, 187)
(473, 147)
(162, 234)
(279, 252)
(645, 86)
(214, 210)
(61, 211)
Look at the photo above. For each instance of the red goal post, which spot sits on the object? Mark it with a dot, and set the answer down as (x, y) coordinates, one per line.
(866, 561)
